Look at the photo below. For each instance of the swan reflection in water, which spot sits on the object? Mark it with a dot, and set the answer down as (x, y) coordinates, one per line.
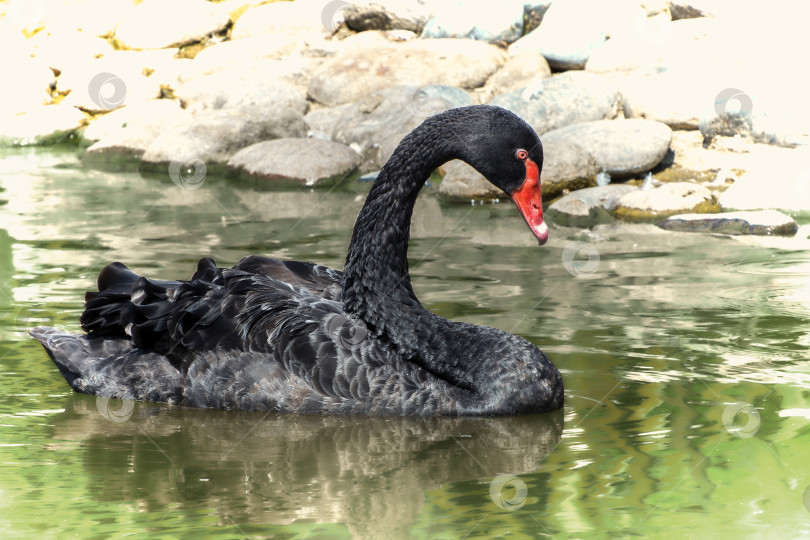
(369, 473)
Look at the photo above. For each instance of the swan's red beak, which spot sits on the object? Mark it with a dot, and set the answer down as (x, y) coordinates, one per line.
(529, 200)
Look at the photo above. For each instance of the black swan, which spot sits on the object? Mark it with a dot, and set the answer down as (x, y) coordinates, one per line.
(299, 337)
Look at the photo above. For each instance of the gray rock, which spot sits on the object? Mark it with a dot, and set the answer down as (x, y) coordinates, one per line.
(322, 122)
(375, 124)
(568, 98)
(215, 136)
(361, 71)
(170, 23)
(587, 207)
(621, 147)
(243, 87)
(693, 9)
(49, 125)
(566, 166)
(394, 15)
(496, 22)
(520, 71)
(533, 14)
(462, 182)
(671, 198)
(764, 222)
(296, 161)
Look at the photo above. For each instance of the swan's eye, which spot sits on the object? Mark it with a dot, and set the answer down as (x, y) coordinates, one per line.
(521, 154)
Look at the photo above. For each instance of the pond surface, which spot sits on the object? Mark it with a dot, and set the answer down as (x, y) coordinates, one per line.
(685, 360)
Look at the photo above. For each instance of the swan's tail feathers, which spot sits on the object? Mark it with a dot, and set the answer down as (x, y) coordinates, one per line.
(110, 367)
(109, 311)
(160, 315)
(127, 304)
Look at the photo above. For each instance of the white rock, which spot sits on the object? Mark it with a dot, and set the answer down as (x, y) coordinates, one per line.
(572, 29)
(30, 88)
(138, 121)
(301, 18)
(44, 125)
(51, 49)
(782, 182)
(154, 24)
(670, 198)
(93, 17)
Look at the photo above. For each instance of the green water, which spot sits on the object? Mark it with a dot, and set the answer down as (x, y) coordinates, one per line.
(684, 358)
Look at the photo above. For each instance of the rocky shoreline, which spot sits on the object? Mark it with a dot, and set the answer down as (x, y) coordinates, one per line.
(652, 106)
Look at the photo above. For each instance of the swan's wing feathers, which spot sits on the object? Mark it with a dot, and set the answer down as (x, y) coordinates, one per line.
(318, 279)
(332, 353)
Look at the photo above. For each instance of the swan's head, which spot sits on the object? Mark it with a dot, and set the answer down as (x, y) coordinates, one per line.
(507, 151)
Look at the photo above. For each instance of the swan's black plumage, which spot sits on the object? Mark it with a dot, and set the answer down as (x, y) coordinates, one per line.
(300, 337)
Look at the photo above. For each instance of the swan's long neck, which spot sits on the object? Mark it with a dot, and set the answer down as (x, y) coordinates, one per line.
(376, 283)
